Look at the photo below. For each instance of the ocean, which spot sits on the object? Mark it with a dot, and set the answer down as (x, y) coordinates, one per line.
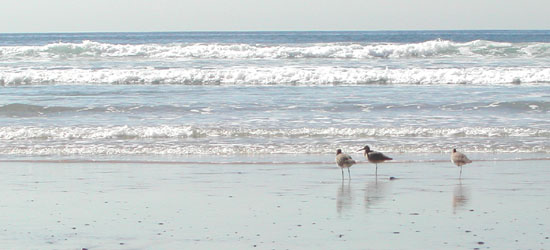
(181, 96)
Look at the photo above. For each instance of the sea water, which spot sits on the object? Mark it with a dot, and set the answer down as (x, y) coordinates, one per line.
(180, 95)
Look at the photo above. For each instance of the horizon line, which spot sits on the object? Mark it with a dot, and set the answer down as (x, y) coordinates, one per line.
(263, 31)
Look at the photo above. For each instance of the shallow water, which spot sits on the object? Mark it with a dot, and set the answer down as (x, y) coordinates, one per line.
(177, 95)
(182, 120)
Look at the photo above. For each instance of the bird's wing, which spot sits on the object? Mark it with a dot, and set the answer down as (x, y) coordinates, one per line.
(349, 159)
(344, 159)
(466, 159)
(379, 156)
(460, 157)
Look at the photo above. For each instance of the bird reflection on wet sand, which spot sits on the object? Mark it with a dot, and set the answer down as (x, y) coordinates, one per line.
(343, 197)
(460, 196)
(374, 193)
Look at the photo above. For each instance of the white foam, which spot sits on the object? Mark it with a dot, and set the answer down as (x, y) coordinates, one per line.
(279, 76)
(24, 133)
(438, 48)
(101, 149)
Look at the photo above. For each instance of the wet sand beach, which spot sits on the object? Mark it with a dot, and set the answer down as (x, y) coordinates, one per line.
(117, 205)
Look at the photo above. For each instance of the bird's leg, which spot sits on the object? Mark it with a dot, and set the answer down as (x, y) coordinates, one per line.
(460, 171)
(342, 173)
(376, 171)
(349, 174)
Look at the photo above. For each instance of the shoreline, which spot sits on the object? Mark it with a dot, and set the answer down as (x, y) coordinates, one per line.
(250, 161)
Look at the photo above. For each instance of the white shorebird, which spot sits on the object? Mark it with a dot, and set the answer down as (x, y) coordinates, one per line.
(344, 161)
(374, 157)
(459, 159)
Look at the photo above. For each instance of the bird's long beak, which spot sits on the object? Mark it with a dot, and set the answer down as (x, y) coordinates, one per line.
(361, 150)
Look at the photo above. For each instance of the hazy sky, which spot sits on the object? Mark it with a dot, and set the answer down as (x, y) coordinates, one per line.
(253, 15)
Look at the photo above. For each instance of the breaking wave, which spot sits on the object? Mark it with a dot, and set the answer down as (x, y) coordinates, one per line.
(278, 76)
(434, 48)
(183, 132)
(186, 140)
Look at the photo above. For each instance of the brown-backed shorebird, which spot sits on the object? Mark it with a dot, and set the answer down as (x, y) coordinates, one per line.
(344, 161)
(374, 157)
(459, 159)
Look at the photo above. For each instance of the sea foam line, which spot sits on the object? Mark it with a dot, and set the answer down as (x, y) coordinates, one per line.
(278, 76)
(24, 133)
(120, 149)
(434, 48)
(176, 162)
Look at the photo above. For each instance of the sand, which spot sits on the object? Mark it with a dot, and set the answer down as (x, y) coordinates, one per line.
(132, 205)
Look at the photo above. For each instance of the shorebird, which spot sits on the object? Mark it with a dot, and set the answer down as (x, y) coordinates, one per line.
(374, 157)
(459, 159)
(344, 161)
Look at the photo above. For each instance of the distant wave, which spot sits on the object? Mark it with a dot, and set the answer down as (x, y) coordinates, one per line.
(256, 75)
(435, 48)
(31, 110)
